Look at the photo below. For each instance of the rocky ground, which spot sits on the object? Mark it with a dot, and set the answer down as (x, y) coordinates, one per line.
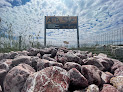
(59, 70)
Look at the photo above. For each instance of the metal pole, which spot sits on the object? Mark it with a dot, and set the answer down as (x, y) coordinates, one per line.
(45, 32)
(77, 33)
(20, 42)
(120, 35)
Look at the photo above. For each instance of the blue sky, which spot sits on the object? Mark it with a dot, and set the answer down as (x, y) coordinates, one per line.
(95, 16)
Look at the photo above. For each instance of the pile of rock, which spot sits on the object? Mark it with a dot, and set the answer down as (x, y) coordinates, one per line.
(59, 70)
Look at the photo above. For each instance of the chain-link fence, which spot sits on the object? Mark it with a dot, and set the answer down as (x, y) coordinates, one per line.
(109, 42)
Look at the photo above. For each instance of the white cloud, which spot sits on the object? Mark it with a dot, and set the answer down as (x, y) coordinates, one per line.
(94, 16)
(4, 3)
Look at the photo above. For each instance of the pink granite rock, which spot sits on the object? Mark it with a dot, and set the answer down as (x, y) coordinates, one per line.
(108, 88)
(1, 56)
(16, 77)
(6, 64)
(77, 80)
(70, 65)
(4, 56)
(21, 59)
(60, 57)
(50, 79)
(48, 57)
(1, 89)
(106, 62)
(79, 91)
(2, 76)
(95, 62)
(117, 64)
(105, 77)
(82, 56)
(119, 71)
(43, 63)
(71, 57)
(92, 74)
(13, 54)
(92, 88)
(33, 51)
(117, 82)
(90, 55)
(53, 53)
(64, 49)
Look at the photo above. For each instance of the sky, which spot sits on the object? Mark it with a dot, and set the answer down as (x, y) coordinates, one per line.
(95, 17)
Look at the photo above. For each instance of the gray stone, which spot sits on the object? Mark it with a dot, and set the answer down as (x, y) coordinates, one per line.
(43, 63)
(16, 78)
(108, 88)
(21, 59)
(117, 82)
(70, 65)
(77, 80)
(119, 71)
(92, 88)
(95, 62)
(92, 74)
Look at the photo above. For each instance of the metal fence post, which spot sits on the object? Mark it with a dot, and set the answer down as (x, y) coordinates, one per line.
(45, 32)
(20, 38)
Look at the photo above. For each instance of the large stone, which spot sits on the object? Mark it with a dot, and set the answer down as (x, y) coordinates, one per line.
(13, 54)
(92, 74)
(106, 62)
(90, 55)
(2, 76)
(43, 63)
(119, 71)
(33, 51)
(70, 65)
(106, 77)
(117, 64)
(60, 57)
(71, 57)
(92, 88)
(65, 50)
(117, 82)
(48, 57)
(102, 55)
(1, 89)
(4, 56)
(53, 53)
(1, 56)
(21, 53)
(81, 52)
(34, 61)
(16, 77)
(5, 64)
(95, 62)
(21, 59)
(79, 90)
(82, 56)
(108, 88)
(77, 80)
(50, 79)
(47, 50)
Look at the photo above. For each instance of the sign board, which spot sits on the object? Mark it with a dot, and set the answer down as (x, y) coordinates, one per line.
(65, 42)
(61, 22)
